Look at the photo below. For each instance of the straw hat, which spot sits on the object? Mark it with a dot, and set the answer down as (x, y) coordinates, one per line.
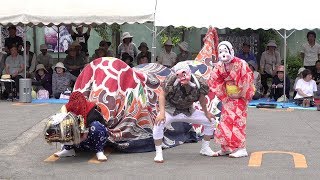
(168, 43)
(272, 43)
(60, 65)
(183, 45)
(6, 76)
(40, 66)
(43, 47)
(300, 70)
(143, 44)
(126, 35)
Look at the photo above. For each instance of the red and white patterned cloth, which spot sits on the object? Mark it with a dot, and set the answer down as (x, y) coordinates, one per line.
(231, 132)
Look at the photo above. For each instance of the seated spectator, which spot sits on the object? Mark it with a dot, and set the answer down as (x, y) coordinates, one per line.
(44, 58)
(14, 66)
(245, 53)
(127, 59)
(316, 76)
(143, 59)
(184, 52)
(61, 80)
(305, 87)
(43, 79)
(299, 76)
(278, 84)
(78, 48)
(257, 79)
(74, 62)
(144, 52)
(127, 46)
(167, 57)
(101, 52)
(2, 62)
(104, 45)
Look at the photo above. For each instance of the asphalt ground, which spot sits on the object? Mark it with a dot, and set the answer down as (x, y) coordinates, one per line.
(282, 144)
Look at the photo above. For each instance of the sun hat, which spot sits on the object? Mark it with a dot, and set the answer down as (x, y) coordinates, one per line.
(40, 66)
(103, 43)
(60, 65)
(168, 43)
(272, 43)
(126, 35)
(300, 70)
(143, 44)
(43, 47)
(280, 68)
(183, 45)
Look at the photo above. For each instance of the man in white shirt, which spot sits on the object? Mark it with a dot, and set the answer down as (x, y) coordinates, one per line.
(167, 57)
(310, 52)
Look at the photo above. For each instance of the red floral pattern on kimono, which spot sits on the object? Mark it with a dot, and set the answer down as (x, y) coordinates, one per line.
(231, 132)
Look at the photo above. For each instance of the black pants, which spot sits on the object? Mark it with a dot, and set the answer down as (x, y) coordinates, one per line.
(256, 96)
(299, 101)
(14, 85)
(264, 82)
(57, 95)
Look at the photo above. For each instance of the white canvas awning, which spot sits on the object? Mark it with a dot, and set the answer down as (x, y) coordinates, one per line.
(271, 14)
(39, 12)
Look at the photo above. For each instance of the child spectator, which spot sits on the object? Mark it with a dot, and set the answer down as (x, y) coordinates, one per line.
(143, 59)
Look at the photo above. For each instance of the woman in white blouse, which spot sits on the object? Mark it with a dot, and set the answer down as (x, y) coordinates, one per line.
(305, 87)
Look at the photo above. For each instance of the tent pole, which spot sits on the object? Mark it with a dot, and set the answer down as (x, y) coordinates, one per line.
(154, 35)
(1, 40)
(24, 50)
(284, 64)
(58, 43)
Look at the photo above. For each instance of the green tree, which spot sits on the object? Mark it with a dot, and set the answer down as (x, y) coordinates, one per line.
(109, 33)
(175, 33)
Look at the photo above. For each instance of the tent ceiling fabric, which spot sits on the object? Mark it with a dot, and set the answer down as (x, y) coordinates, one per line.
(76, 12)
(275, 14)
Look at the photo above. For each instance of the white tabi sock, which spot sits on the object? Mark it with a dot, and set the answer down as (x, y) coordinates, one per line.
(159, 156)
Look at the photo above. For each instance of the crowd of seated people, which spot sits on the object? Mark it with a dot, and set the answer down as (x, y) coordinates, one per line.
(48, 75)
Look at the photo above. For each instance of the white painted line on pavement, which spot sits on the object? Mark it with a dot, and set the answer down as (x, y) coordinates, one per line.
(14, 147)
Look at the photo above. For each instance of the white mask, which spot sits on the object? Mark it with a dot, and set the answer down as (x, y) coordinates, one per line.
(226, 52)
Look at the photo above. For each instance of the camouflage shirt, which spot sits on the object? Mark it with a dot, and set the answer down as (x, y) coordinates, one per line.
(180, 99)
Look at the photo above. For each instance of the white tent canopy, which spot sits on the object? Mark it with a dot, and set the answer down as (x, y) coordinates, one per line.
(271, 14)
(39, 12)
